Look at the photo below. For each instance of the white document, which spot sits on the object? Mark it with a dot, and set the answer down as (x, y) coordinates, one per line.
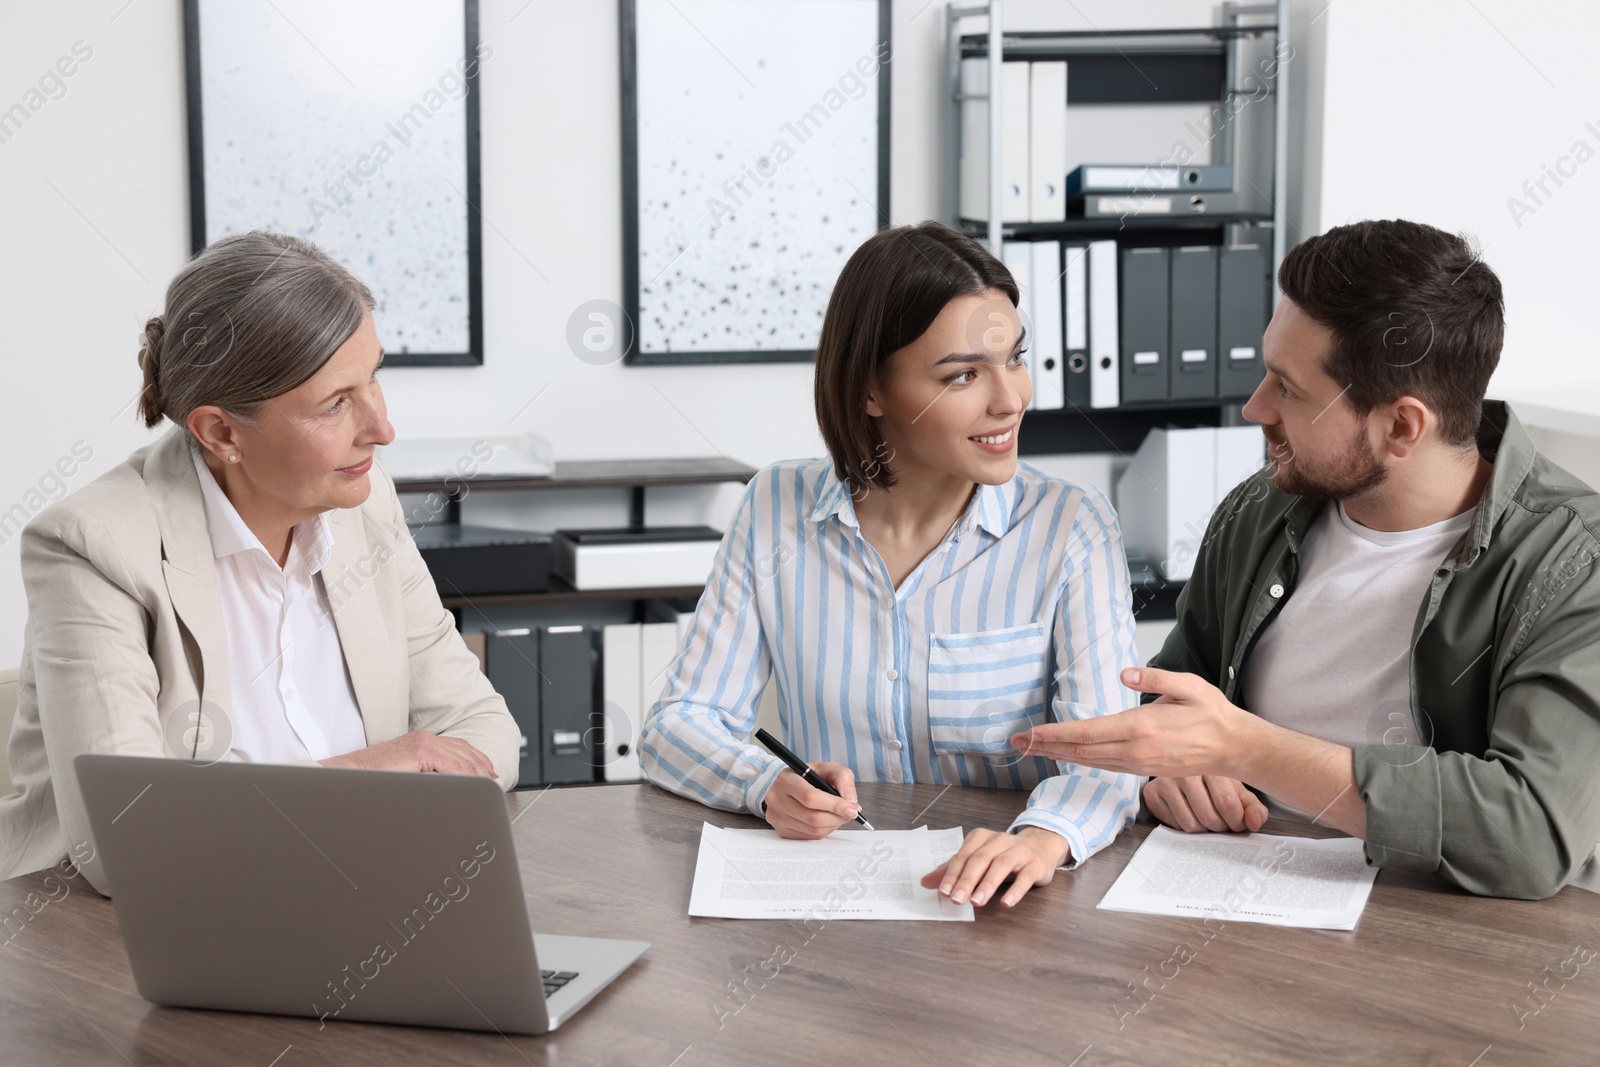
(850, 874)
(1255, 878)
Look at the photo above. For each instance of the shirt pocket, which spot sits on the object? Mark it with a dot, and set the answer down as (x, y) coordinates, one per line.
(985, 686)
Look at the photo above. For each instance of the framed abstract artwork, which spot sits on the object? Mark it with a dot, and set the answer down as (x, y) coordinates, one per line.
(755, 145)
(355, 126)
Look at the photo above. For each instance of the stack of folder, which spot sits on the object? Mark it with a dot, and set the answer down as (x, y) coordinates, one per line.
(1033, 142)
(1192, 321)
(1112, 191)
(547, 676)
(1111, 325)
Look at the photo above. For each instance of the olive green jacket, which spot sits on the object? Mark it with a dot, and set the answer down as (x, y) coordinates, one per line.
(1503, 798)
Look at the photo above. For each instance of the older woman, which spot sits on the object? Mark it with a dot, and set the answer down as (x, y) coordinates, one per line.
(245, 587)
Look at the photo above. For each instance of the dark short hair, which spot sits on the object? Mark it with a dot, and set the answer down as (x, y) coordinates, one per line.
(887, 296)
(1413, 311)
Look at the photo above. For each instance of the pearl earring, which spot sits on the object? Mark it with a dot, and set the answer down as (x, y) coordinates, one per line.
(233, 457)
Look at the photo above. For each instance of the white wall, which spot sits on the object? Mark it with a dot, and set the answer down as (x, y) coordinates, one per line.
(95, 223)
(1430, 114)
(1439, 111)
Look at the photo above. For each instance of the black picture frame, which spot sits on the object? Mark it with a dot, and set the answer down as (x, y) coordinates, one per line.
(198, 237)
(631, 282)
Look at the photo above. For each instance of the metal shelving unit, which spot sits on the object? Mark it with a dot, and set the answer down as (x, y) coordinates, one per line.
(1129, 66)
(635, 475)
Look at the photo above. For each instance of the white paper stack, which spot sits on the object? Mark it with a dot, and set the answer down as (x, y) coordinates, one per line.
(1322, 884)
(851, 874)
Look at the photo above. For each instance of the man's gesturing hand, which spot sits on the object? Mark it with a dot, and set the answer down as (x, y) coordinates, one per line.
(1191, 729)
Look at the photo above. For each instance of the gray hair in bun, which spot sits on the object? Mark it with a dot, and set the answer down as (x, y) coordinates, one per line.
(249, 318)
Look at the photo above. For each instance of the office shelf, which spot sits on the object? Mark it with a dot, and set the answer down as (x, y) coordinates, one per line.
(1122, 429)
(636, 475)
(561, 592)
(523, 698)
(1157, 227)
(1202, 65)
(600, 474)
(1153, 596)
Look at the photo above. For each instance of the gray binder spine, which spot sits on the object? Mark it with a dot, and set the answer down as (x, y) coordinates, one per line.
(569, 717)
(1243, 285)
(1075, 322)
(513, 658)
(1192, 351)
(1144, 324)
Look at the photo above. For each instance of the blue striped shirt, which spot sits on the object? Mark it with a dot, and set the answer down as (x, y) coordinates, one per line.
(1021, 615)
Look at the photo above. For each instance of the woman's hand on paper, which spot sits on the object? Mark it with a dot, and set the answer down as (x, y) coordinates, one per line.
(1028, 857)
(796, 808)
(1204, 802)
(418, 750)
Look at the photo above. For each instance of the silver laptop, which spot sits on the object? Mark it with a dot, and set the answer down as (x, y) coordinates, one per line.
(338, 894)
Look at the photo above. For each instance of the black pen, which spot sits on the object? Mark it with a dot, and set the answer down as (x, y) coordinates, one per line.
(779, 749)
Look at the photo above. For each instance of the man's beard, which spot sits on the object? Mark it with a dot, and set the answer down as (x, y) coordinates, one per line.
(1355, 472)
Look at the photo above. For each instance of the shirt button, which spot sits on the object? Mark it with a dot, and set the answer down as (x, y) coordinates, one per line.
(1230, 673)
(288, 694)
(896, 745)
(892, 673)
(1276, 590)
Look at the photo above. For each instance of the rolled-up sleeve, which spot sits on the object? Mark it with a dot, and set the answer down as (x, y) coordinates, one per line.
(1093, 636)
(692, 741)
(1524, 818)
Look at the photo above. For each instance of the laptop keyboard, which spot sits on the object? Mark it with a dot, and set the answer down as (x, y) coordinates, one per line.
(554, 980)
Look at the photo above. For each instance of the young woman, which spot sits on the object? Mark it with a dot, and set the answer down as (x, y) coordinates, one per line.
(245, 587)
(920, 596)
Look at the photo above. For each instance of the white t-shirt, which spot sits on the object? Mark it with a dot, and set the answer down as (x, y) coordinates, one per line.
(1335, 662)
(292, 698)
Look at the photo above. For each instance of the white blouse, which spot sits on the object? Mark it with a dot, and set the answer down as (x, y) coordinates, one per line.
(292, 698)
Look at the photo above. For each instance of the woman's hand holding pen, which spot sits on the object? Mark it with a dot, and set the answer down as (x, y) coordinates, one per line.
(795, 808)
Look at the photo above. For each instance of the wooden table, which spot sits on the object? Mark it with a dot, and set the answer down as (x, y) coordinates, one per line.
(1431, 976)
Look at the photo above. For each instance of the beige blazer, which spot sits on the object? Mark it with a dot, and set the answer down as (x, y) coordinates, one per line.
(125, 641)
